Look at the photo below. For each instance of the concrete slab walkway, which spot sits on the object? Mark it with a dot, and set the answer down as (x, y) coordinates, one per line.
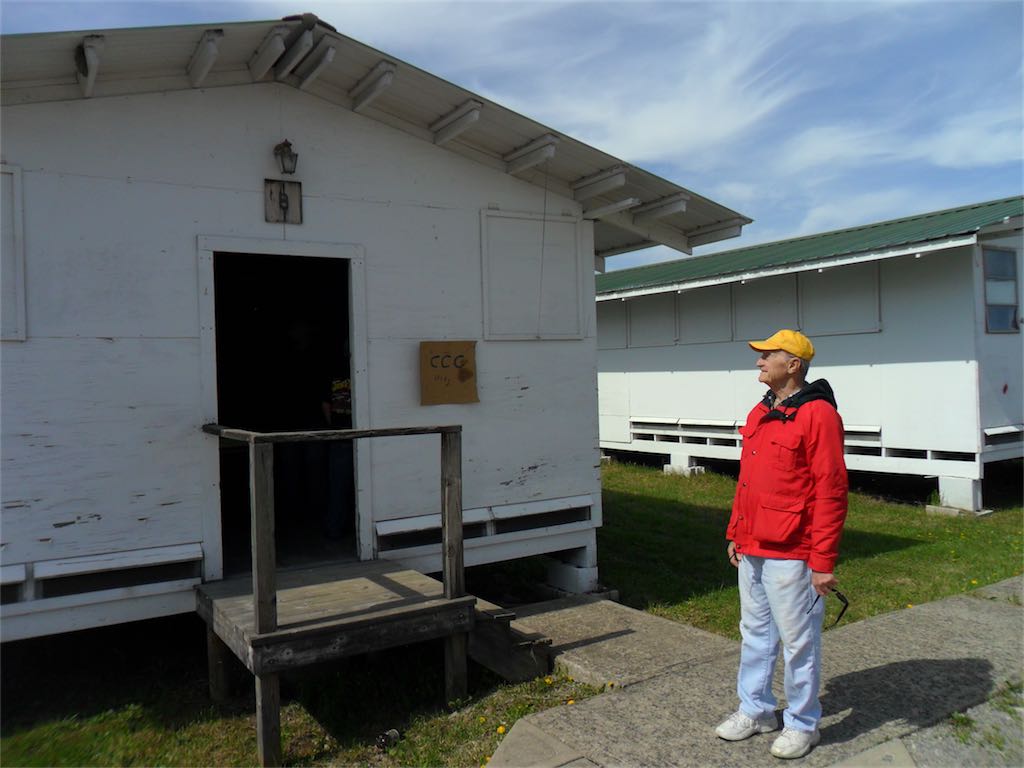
(885, 678)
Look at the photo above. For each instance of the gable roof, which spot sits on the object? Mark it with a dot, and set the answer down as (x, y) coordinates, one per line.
(927, 231)
(631, 208)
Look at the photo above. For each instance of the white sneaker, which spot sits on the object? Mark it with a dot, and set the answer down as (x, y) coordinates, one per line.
(793, 743)
(739, 726)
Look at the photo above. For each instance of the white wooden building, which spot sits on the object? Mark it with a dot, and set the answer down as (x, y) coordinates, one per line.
(916, 324)
(154, 280)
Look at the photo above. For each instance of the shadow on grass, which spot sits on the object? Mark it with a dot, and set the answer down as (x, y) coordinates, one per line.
(158, 665)
(667, 551)
(920, 692)
(158, 668)
(359, 698)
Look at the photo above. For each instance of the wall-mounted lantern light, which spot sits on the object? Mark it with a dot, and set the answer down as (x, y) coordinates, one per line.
(286, 157)
(283, 199)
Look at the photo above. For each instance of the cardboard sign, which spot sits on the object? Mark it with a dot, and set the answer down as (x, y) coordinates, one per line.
(448, 372)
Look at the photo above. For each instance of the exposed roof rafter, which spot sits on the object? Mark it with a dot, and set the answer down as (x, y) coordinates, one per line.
(87, 62)
(373, 84)
(295, 53)
(268, 52)
(316, 62)
(531, 154)
(658, 209)
(204, 57)
(620, 249)
(651, 230)
(737, 221)
(713, 236)
(599, 183)
(457, 121)
(601, 211)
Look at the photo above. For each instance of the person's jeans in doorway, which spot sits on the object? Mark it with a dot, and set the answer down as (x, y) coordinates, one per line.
(339, 518)
(775, 596)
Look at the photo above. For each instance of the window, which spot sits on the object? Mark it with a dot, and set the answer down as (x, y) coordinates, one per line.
(611, 324)
(764, 305)
(840, 300)
(532, 276)
(705, 315)
(652, 320)
(1000, 291)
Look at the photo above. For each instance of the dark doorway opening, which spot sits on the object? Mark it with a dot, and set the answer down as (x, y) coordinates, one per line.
(283, 364)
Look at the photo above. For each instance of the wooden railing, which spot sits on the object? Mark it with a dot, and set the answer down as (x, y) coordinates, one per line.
(261, 504)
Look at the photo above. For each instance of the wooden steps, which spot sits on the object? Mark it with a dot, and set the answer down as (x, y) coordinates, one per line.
(508, 647)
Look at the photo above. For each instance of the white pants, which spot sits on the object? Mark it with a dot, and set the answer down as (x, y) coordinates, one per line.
(776, 599)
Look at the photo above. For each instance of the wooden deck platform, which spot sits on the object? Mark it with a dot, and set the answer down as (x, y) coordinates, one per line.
(328, 612)
(274, 621)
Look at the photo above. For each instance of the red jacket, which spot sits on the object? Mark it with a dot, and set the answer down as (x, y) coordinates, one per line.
(791, 496)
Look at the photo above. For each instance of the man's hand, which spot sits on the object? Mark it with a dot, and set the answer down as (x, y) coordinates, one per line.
(734, 556)
(823, 582)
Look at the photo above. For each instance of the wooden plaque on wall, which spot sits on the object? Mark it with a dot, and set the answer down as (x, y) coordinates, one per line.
(448, 372)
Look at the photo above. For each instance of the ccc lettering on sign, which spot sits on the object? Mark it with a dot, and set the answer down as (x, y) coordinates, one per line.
(448, 361)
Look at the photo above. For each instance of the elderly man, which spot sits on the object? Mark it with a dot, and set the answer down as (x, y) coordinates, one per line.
(783, 536)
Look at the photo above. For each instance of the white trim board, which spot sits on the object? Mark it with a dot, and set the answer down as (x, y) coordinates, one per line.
(113, 561)
(483, 514)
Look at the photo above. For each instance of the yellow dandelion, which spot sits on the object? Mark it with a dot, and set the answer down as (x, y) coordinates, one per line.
(974, 581)
(501, 729)
(483, 719)
(571, 701)
(548, 680)
(910, 605)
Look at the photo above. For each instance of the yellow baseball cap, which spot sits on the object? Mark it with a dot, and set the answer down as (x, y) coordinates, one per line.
(793, 342)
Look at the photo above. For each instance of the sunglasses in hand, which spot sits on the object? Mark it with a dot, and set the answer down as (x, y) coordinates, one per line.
(842, 599)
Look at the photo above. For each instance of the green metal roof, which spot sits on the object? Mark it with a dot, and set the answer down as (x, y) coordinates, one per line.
(856, 240)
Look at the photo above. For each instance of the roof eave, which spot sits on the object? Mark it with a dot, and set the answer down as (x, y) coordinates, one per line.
(53, 77)
(830, 262)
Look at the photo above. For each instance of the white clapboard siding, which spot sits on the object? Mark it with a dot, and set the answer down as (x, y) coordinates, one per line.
(103, 452)
(896, 339)
(104, 455)
(525, 440)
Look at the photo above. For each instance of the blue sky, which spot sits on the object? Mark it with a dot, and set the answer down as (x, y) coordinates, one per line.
(805, 116)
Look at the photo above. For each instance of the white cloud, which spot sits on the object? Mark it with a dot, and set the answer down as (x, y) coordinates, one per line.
(971, 139)
(974, 139)
(856, 209)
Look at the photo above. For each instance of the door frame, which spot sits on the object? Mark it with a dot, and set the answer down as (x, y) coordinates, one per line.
(206, 247)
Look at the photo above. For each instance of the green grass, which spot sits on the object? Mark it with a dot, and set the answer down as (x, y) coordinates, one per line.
(892, 556)
(136, 694)
(963, 726)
